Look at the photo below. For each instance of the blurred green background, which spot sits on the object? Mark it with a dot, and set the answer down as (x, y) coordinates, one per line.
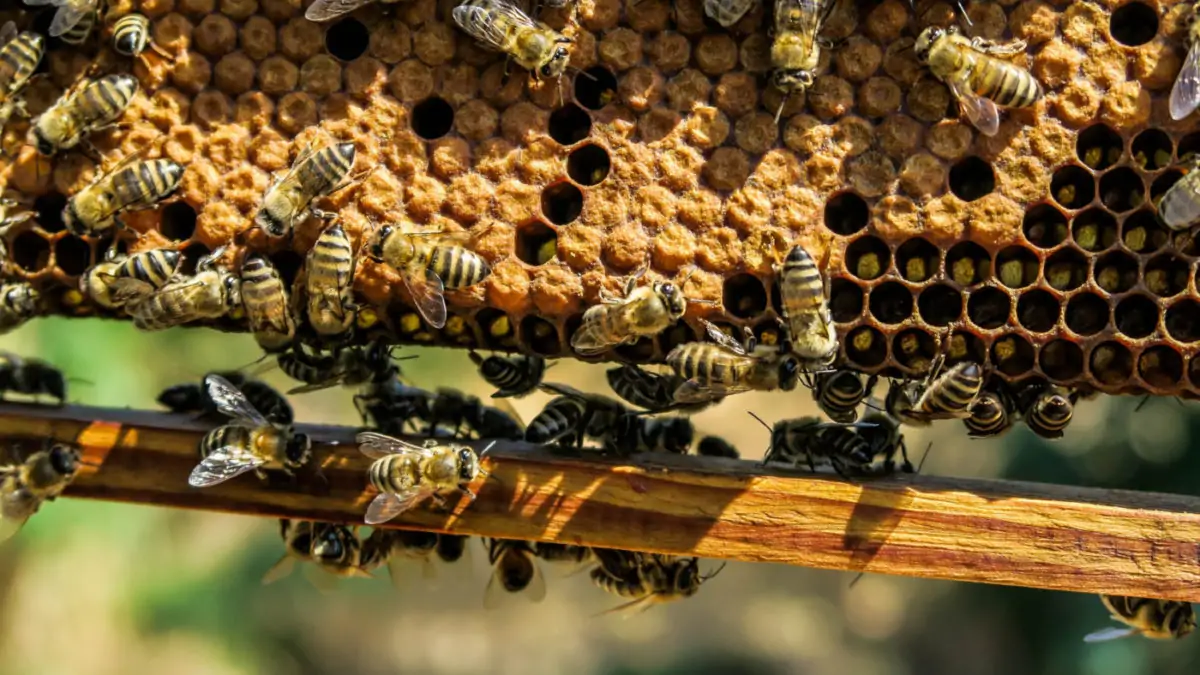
(92, 588)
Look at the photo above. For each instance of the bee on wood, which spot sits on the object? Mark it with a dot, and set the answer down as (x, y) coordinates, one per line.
(250, 443)
(316, 173)
(513, 376)
(74, 19)
(20, 54)
(883, 435)
(1179, 207)
(939, 396)
(329, 282)
(268, 309)
(978, 80)
(1148, 617)
(31, 377)
(130, 186)
(427, 267)
(349, 366)
(211, 293)
(390, 404)
(653, 391)
(839, 393)
(193, 398)
(89, 107)
(502, 26)
(727, 12)
(40, 478)
(572, 416)
(567, 553)
(18, 304)
(647, 579)
(991, 415)
(131, 37)
(514, 570)
(1185, 94)
(839, 445)
(121, 280)
(804, 299)
(324, 10)
(713, 371)
(405, 474)
(334, 548)
(643, 311)
(453, 411)
(715, 446)
(795, 49)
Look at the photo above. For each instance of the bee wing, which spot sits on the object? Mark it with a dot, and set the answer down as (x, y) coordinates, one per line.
(481, 22)
(979, 110)
(427, 293)
(590, 338)
(324, 10)
(559, 389)
(127, 290)
(1185, 94)
(722, 339)
(232, 402)
(377, 446)
(8, 31)
(628, 609)
(694, 392)
(14, 511)
(280, 570)
(387, 505)
(69, 13)
(225, 463)
(727, 12)
(1110, 633)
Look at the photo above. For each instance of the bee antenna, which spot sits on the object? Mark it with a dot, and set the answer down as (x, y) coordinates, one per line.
(580, 71)
(1142, 403)
(856, 579)
(485, 450)
(925, 456)
(779, 112)
(714, 573)
(760, 420)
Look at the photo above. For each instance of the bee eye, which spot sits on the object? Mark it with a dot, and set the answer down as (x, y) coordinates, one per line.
(545, 71)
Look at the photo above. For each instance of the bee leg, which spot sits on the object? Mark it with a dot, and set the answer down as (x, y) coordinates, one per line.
(161, 52)
(323, 215)
(997, 49)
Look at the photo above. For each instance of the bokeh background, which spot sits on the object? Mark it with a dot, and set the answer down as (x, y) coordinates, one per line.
(93, 588)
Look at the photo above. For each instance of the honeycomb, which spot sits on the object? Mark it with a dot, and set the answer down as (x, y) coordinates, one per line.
(1037, 251)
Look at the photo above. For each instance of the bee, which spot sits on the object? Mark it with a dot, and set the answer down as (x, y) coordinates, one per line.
(329, 280)
(568, 553)
(74, 19)
(633, 433)
(1048, 411)
(882, 433)
(648, 579)
(840, 445)
(1179, 207)
(642, 312)
(502, 26)
(715, 446)
(978, 80)
(350, 366)
(839, 393)
(25, 486)
(427, 268)
(93, 105)
(727, 12)
(991, 415)
(514, 569)
(712, 371)
(314, 174)
(389, 404)
(513, 376)
(803, 296)
(31, 377)
(18, 304)
(1148, 617)
(795, 50)
(121, 280)
(20, 54)
(324, 10)
(451, 547)
(265, 298)
(451, 410)
(399, 547)
(208, 294)
(250, 443)
(406, 474)
(653, 391)
(1185, 94)
(129, 186)
(572, 416)
(335, 549)
(131, 37)
(939, 396)
(193, 398)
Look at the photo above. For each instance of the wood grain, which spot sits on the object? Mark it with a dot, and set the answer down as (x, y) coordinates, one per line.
(1021, 534)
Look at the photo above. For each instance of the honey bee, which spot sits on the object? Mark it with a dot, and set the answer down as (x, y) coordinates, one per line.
(349, 366)
(939, 396)
(208, 294)
(328, 282)
(193, 397)
(451, 547)
(74, 19)
(1185, 94)
(991, 415)
(712, 371)
(31, 377)
(513, 376)
(130, 186)
(1179, 207)
(839, 393)
(314, 174)
(389, 404)
(504, 27)
(644, 311)
(839, 445)
(567, 553)
(427, 268)
(1048, 411)
(265, 298)
(572, 416)
(634, 433)
(715, 446)
(451, 410)
(250, 443)
(25, 486)
(653, 391)
(514, 570)
(18, 304)
(131, 37)
(121, 280)
(324, 10)
(795, 51)
(803, 297)
(648, 579)
(20, 54)
(727, 12)
(978, 80)
(406, 474)
(335, 549)
(1148, 617)
(91, 106)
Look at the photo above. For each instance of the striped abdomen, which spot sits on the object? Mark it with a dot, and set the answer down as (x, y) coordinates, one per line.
(1004, 83)
(457, 267)
(18, 59)
(989, 416)
(145, 183)
(801, 288)
(1179, 208)
(264, 296)
(393, 474)
(229, 435)
(324, 171)
(513, 375)
(952, 393)
(207, 295)
(560, 417)
(633, 587)
(328, 277)
(709, 364)
(78, 34)
(652, 391)
(154, 267)
(1050, 414)
(842, 446)
(839, 394)
(131, 33)
(308, 369)
(18, 304)
(103, 101)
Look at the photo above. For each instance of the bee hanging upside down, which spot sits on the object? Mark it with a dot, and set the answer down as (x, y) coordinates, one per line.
(1148, 617)
(26, 486)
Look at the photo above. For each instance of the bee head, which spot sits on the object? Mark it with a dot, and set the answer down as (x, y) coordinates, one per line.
(557, 64)
(925, 42)
(468, 465)
(45, 146)
(789, 373)
(672, 298)
(375, 248)
(64, 459)
(792, 80)
(328, 545)
(1181, 619)
(298, 450)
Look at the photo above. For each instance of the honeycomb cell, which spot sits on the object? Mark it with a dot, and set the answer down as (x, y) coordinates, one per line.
(914, 349)
(1099, 147)
(1094, 230)
(968, 263)
(940, 305)
(965, 346)
(178, 221)
(536, 243)
(1136, 316)
(865, 347)
(917, 260)
(190, 255)
(570, 124)
(1152, 150)
(72, 255)
(30, 251)
(1183, 320)
(588, 165)
(868, 258)
(1066, 269)
(562, 203)
(1037, 310)
(744, 296)
(1189, 145)
(989, 307)
(846, 213)
(1072, 187)
(1161, 367)
(1016, 267)
(1061, 360)
(1143, 233)
(1163, 183)
(595, 87)
(1012, 355)
(845, 300)
(891, 302)
(540, 336)
(1166, 275)
(347, 39)
(1045, 226)
(1111, 363)
(49, 208)
(432, 118)
(1087, 314)
(1116, 272)
(1133, 24)
(1122, 190)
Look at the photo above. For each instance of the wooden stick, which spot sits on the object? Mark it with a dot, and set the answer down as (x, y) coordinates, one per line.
(1021, 534)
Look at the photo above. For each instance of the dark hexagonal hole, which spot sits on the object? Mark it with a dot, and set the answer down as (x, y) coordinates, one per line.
(1099, 147)
(595, 87)
(1045, 226)
(940, 305)
(1116, 272)
(1066, 269)
(744, 296)
(178, 221)
(1133, 24)
(1012, 355)
(1188, 145)
(588, 165)
(562, 203)
(866, 347)
(540, 335)
(287, 262)
(1061, 360)
(1016, 267)
(1073, 187)
(347, 39)
(989, 307)
(968, 263)
(1136, 316)
(972, 178)
(1161, 367)
(536, 243)
(30, 251)
(72, 255)
(846, 213)
(1143, 233)
(49, 208)
(768, 333)
(432, 118)
(1163, 183)
(1122, 190)
(917, 260)
(1094, 230)
(1037, 310)
(1152, 149)
(868, 258)
(191, 255)
(678, 334)
(914, 349)
(1111, 363)
(891, 302)
(570, 124)
(1166, 275)
(496, 328)
(1087, 314)
(1183, 320)
(845, 300)
(641, 351)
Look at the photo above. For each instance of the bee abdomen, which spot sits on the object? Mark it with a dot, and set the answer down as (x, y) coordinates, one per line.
(105, 99)
(387, 474)
(130, 34)
(988, 417)
(1180, 206)
(153, 267)
(800, 281)
(457, 267)
(225, 436)
(1050, 415)
(78, 33)
(21, 57)
(954, 392)
(1007, 84)
(327, 167)
(561, 416)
